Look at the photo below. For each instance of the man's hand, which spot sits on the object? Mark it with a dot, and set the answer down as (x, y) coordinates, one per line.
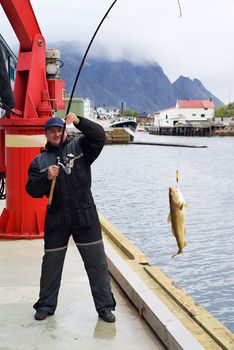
(72, 118)
(53, 171)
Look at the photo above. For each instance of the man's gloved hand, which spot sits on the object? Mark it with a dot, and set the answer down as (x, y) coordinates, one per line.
(53, 171)
(72, 118)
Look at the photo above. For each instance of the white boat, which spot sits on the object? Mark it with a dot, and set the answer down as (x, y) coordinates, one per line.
(124, 123)
(140, 128)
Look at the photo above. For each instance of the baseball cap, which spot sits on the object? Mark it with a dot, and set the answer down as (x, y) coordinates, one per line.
(54, 121)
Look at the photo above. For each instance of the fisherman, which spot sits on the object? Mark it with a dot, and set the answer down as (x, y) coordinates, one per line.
(72, 212)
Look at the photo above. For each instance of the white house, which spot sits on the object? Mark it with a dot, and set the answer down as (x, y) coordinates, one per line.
(185, 111)
(109, 112)
(88, 108)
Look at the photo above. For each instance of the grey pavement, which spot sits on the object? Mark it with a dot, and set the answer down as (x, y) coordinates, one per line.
(75, 324)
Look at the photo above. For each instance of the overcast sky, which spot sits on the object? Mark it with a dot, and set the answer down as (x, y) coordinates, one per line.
(200, 44)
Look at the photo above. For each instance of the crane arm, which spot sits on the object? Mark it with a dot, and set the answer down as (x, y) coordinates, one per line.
(33, 93)
(23, 21)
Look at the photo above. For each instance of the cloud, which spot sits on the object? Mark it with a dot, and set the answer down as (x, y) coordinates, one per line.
(199, 44)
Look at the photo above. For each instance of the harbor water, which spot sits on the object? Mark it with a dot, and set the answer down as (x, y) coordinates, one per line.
(130, 187)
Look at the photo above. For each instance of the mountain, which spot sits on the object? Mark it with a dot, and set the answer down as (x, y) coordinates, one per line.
(143, 87)
(185, 88)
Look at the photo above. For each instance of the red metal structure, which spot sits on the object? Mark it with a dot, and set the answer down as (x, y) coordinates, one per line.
(22, 133)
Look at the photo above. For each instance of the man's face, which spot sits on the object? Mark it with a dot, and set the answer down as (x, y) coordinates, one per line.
(53, 135)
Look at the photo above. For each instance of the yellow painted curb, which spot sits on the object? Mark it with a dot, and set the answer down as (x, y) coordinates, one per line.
(126, 246)
(206, 321)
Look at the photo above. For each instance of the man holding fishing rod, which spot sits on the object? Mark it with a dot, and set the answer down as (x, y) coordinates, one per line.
(62, 172)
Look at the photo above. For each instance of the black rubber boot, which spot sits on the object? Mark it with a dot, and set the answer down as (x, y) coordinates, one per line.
(51, 272)
(94, 258)
(107, 316)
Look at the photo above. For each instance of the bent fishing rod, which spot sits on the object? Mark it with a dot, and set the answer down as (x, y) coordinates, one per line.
(8, 97)
(59, 152)
(74, 86)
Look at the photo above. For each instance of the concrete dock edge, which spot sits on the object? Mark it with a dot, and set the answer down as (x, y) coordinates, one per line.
(170, 330)
(207, 330)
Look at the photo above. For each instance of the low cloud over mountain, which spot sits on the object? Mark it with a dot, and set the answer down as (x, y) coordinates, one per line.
(140, 86)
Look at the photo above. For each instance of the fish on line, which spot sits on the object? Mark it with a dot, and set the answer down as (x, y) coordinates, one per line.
(177, 217)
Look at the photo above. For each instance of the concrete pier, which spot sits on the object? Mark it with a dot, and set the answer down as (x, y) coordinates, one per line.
(75, 324)
(169, 144)
(150, 313)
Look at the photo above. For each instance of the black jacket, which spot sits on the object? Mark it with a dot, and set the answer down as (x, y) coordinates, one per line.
(72, 192)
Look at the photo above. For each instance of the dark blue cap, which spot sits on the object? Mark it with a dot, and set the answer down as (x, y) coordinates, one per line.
(54, 121)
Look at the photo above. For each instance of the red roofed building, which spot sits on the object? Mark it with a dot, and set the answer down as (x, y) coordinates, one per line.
(195, 104)
(185, 111)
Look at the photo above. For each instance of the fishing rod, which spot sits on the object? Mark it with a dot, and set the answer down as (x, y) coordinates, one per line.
(178, 1)
(59, 152)
(79, 71)
(85, 55)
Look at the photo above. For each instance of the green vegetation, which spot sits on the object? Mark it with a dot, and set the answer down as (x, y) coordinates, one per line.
(130, 112)
(225, 111)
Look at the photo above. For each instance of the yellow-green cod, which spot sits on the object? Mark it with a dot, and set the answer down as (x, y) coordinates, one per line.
(177, 217)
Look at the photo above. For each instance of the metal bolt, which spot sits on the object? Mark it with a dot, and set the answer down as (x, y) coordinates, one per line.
(39, 42)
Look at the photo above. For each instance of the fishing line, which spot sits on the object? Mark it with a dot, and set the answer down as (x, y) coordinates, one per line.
(177, 175)
(177, 170)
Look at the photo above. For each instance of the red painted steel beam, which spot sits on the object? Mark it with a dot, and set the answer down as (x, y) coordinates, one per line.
(22, 134)
(30, 82)
(23, 21)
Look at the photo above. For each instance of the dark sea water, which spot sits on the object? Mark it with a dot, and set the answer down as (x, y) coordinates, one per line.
(130, 187)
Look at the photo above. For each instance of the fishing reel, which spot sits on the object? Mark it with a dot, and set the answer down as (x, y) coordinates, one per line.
(68, 163)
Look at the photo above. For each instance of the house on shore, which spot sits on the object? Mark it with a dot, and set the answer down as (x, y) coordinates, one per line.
(185, 112)
(107, 112)
(145, 119)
